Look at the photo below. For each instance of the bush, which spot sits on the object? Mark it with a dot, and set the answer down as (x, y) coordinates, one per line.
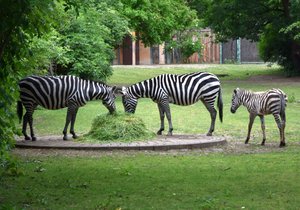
(117, 127)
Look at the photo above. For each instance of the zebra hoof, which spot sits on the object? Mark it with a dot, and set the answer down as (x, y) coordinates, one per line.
(159, 132)
(170, 134)
(27, 138)
(75, 136)
(33, 138)
(209, 134)
(65, 138)
(282, 144)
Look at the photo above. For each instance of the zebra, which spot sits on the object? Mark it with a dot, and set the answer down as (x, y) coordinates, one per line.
(56, 92)
(259, 104)
(184, 89)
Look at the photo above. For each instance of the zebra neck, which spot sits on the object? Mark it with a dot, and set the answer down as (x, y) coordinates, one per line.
(246, 99)
(96, 91)
(139, 90)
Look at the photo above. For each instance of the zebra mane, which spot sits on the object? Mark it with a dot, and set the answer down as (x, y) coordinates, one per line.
(97, 81)
(249, 93)
(88, 80)
(243, 90)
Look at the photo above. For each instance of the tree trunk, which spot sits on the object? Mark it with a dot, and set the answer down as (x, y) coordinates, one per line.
(286, 9)
(296, 56)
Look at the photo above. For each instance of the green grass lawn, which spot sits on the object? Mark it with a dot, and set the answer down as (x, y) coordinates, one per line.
(187, 180)
(155, 181)
(128, 75)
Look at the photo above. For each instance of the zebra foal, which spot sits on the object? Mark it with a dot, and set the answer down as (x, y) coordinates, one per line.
(56, 92)
(185, 89)
(259, 104)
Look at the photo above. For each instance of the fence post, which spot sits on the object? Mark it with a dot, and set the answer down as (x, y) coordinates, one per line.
(221, 53)
(238, 50)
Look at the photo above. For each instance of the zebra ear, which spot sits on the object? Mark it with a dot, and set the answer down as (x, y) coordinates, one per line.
(235, 90)
(114, 88)
(124, 91)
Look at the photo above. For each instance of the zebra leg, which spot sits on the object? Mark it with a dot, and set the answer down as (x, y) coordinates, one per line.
(162, 119)
(68, 120)
(263, 128)
(25, 121)
(73, 123)
(213, 115)
(33, 138)
(251, 120)
(168, 114)
(280, 127)
(283, 119)
(28, 119)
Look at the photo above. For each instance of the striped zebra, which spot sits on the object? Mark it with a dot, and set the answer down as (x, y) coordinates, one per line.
(56, 92)
(185, 89)
(259, 104)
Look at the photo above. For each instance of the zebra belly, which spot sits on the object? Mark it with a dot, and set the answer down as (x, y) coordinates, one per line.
(183, 103)
(55, 108)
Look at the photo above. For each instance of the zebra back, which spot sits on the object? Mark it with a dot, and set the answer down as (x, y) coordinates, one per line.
(262, 103)
(55, 92)
(185, 89)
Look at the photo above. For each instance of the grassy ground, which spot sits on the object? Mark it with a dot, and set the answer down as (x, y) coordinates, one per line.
(192, 119)
(254, 178)
(191, 180)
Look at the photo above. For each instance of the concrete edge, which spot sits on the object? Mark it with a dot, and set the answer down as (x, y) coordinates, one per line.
(158, 147)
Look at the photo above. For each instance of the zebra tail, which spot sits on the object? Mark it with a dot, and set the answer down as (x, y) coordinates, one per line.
(20, 111)
(220, 105)
(283, 105)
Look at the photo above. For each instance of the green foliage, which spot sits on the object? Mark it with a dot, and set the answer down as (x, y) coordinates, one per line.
(187, 43)
(20, 22)
(157, 21)
(45, 53)
(274, 23)
(7, 126)
(294, 30)
(79, 42)
(273, 53)
(90, 38)
(118, 127)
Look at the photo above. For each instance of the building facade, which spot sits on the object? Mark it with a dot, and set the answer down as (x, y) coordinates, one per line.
(134, 52)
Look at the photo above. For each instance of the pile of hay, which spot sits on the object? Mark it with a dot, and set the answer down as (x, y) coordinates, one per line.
(118, 127)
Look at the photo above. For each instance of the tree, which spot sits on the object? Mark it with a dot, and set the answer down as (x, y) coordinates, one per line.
(273, 23)
(156, 21)
(20, 22)
(90, 39)
(80, 42)
(186, 43)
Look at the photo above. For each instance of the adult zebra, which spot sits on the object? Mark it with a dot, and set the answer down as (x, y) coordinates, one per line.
(259, 104)
(56, 92)
(185, 89)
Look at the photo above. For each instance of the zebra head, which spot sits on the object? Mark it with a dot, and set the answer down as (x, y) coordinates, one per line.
(129, 102)
(236, 101)
(109, 100)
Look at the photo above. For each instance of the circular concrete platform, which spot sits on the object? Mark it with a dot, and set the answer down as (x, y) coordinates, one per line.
(160, 143)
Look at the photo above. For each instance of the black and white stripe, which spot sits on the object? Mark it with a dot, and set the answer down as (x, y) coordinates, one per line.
(185, 89)
(259, 104)
(56, 92)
